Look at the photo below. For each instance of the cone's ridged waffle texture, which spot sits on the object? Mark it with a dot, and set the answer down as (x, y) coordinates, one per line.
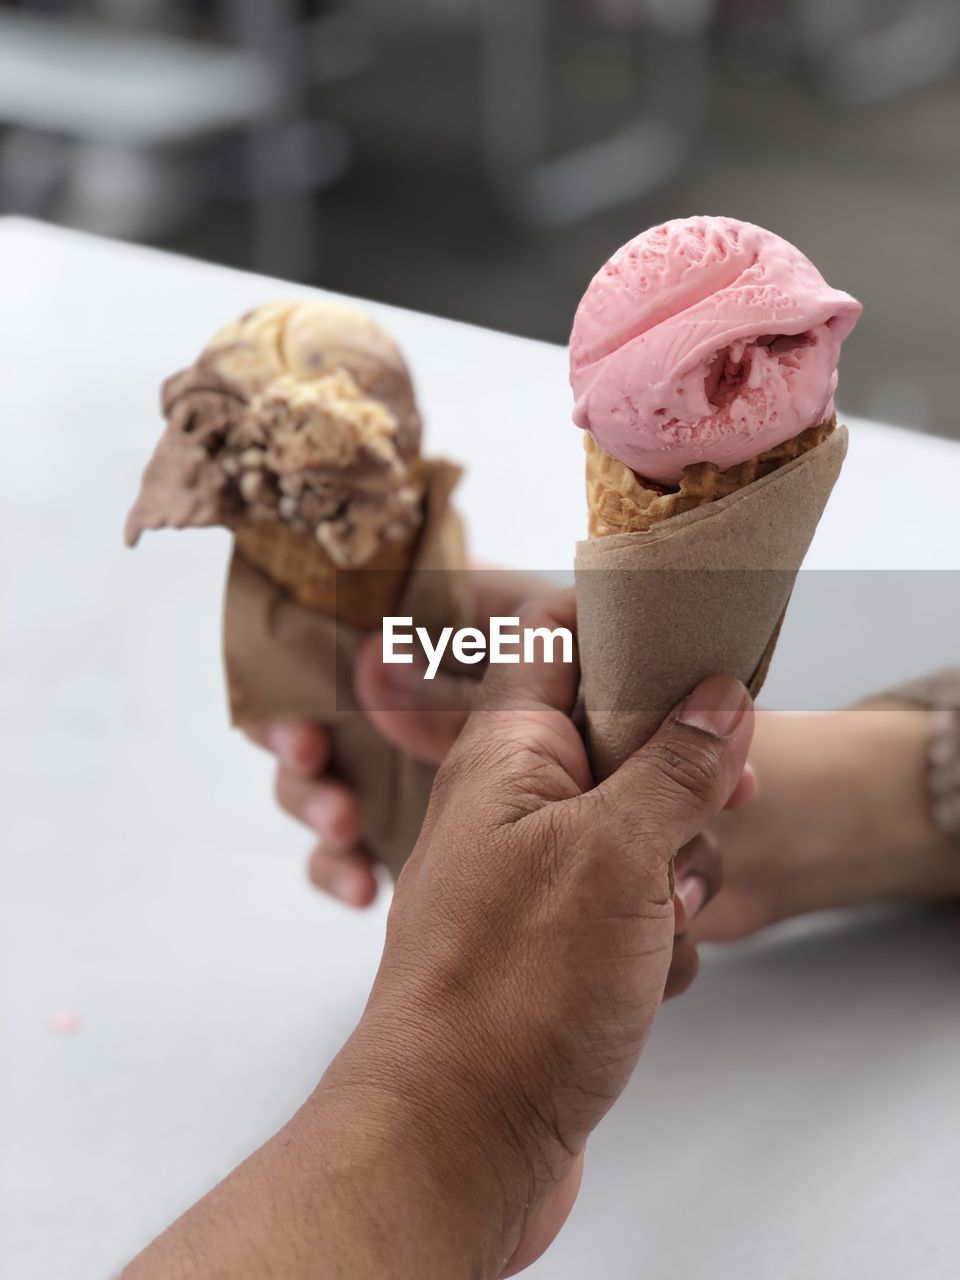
(619, 501)
(297, 563)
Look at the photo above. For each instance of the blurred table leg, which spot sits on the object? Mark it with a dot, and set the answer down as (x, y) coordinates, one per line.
(859, 58)
(627, 164)
(284, 221)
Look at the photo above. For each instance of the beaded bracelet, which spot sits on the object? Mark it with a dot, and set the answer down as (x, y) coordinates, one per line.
(943, 772)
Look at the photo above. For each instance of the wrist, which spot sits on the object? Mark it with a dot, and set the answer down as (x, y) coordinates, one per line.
(874, 760)
(910, 856)
(424, 1147)
(355, 1186)
(843, 816)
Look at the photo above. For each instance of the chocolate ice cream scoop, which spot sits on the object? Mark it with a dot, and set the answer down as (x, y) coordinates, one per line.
(307, 341)
(302, 413)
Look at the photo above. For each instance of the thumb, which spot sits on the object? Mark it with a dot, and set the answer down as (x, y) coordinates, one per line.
(422, 718)
(666, 792)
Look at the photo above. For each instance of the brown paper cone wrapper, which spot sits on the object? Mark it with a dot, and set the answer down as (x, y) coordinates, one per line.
(285, 659)
(701, 593)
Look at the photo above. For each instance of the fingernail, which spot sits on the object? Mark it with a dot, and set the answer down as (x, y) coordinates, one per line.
(332, 816)
(692, 893)
(346, 888)
(318, 814)
(282, 741)
(716, 706)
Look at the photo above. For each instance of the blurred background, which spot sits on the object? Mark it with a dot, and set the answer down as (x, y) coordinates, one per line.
(480, 158)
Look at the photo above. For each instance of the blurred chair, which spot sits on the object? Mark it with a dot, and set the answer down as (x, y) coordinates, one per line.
(848, 49)
(637, 158)
(97, 110)
(866, 60)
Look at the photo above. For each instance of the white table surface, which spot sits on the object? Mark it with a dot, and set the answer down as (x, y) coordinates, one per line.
(794, 1116)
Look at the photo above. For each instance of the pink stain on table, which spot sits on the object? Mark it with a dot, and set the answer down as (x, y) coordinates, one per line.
(66, 1023)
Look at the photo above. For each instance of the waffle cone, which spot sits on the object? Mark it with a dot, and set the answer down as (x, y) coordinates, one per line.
(299, 565)
(619, 501)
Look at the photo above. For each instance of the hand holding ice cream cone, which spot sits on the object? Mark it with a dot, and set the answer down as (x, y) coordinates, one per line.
(297, 428)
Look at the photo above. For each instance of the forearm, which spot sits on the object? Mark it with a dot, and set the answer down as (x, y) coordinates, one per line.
(349, 1188)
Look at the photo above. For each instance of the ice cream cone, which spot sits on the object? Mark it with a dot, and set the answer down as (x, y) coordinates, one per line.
(700, 355)
(619, 501)
(297, 564)
(297, 429)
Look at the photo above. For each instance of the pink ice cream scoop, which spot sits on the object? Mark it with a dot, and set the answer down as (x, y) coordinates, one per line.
(705, 340)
